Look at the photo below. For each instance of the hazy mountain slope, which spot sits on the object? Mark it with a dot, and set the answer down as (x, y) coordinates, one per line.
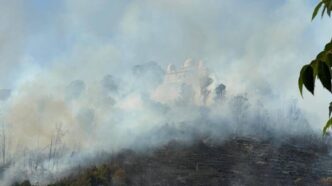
(237, 161)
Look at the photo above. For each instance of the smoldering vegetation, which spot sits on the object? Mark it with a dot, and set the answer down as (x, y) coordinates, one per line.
(47, 132)
(77, 86)
(293, 160)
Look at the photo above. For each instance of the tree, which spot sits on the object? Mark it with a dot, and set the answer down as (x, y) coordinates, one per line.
(320, 67)
(3, 150)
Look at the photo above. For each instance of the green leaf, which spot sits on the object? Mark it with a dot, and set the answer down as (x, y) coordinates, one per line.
(321, 56)
(329, 7)
(314, 14)
(300, 84)
(327, 126)
(301, 78)
(314, 65)
(323, 11)
(324, 74)
(328, 46)
(307, 79)
(329, 12)
(329, 59)
(328, 3)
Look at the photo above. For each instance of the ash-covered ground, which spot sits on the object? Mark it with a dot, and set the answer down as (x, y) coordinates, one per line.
(296, 160)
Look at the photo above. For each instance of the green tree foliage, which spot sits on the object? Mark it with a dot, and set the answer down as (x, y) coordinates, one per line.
(320, 67)
(24, 183)
(327, 7)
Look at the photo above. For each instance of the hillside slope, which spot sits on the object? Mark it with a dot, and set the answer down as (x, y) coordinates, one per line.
(236, 161)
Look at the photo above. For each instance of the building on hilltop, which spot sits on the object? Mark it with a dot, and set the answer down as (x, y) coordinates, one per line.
(189, 84)
(188, 73)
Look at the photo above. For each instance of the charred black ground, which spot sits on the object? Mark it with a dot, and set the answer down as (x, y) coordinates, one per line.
(300, 160)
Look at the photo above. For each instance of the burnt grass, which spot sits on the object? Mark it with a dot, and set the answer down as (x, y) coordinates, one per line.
(303, 160)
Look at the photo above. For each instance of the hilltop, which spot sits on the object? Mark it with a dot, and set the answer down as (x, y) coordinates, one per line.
(236, 161)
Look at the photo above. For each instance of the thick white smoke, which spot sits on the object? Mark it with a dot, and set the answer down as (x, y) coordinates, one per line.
(49, 128)
(76, 78)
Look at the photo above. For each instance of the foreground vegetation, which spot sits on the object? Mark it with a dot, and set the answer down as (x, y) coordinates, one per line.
(105, 174)
(320, 67)
(299, 160)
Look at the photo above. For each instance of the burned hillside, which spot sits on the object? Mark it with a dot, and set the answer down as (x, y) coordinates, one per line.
(143, 110)
(297, 160)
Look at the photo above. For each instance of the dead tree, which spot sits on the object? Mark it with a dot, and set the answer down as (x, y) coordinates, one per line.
(3, 150)
(55, 146)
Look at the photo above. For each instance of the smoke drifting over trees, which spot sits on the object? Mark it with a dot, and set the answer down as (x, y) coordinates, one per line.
(76, 77)
(52, 130)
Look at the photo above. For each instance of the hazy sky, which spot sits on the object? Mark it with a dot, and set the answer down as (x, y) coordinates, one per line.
(249, 44)
(256, 47)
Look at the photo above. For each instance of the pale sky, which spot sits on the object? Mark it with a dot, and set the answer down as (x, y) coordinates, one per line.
(248, 44)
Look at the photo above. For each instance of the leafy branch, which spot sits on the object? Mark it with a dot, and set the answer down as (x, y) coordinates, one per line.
(327, 7)
(321, 66)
